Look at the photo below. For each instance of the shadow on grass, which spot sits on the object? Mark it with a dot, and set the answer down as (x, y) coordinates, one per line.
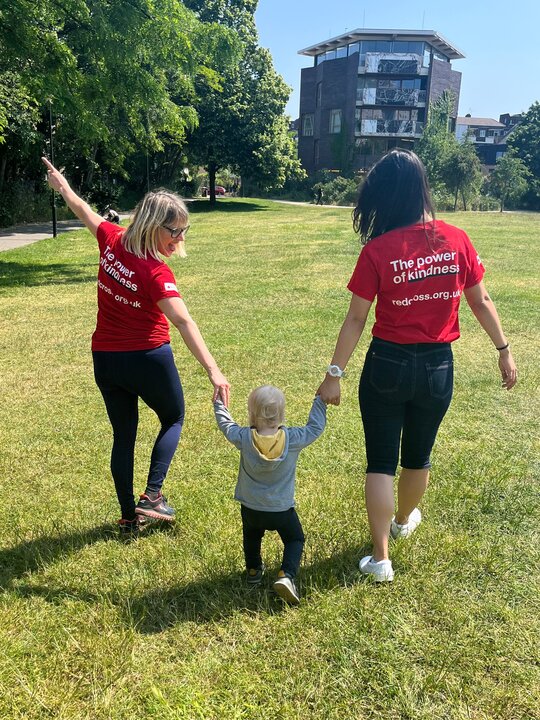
(212, 599)
(229, 206)
(15, 274)
(221, 595)
(33, 555)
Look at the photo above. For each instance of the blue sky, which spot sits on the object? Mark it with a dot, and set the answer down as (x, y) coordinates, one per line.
(501, 70)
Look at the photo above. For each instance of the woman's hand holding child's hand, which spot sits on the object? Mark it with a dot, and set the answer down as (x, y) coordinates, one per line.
(330, 391)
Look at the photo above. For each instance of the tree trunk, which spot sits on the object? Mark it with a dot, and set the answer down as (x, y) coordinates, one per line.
(463, 199)
(455, 199)
(91, 163)
(212, 169)
(3, 162)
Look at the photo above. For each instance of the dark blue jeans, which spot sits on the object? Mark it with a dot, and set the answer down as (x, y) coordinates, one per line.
(405, 391)
(123, 378)
(289, 529)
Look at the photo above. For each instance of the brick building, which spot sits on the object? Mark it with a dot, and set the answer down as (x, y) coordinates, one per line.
(367, 92)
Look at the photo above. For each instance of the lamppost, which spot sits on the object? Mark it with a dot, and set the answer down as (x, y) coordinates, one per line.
(53, 202)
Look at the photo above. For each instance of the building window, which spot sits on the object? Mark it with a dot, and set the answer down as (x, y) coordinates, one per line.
(440, 56)
(318, 94)
(354, 48)
(335, 122)
(307, 125)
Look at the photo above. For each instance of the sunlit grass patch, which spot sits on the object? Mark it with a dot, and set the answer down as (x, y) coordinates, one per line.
(165, 627)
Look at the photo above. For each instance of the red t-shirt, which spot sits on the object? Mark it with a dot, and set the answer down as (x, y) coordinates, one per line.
(418, 288)
(128, 289)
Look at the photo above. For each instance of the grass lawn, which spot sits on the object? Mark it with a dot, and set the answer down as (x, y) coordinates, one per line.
(165, 628)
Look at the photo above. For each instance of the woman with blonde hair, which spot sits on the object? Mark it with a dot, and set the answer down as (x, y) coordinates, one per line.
(137, 295)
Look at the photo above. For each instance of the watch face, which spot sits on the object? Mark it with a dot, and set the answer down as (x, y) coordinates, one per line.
(334, 371)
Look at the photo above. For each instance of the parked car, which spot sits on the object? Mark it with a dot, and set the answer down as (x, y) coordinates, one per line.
(220, 190)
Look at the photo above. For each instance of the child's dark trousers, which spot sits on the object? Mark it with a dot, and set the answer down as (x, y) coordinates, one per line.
(288, 526)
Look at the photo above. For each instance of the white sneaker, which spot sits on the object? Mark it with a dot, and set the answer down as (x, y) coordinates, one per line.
(286, 589)
(402, 531)
(382, 570)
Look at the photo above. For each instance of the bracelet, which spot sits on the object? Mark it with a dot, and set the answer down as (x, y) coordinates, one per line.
(503, 347)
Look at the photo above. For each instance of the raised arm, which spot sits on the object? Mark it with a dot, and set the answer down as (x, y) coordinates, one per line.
(175, 310)
(304, 436)
(485, 312)
(348, 338)
(231, 430)
(75, 203)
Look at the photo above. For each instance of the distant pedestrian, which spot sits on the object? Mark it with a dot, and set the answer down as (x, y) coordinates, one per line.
(268, 455)
(319, 196)
(111, 216)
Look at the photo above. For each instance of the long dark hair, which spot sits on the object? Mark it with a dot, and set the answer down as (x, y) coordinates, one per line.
(395, 194)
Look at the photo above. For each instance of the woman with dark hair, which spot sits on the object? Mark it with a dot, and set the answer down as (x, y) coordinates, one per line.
(417, 267)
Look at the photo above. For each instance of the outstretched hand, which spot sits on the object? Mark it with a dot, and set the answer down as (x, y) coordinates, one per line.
(508, 369)
(54, 177)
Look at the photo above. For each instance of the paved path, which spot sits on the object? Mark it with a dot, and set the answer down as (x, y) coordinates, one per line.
(20, 235)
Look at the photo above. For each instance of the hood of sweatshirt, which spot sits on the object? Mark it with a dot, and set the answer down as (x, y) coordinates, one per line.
(269, 447)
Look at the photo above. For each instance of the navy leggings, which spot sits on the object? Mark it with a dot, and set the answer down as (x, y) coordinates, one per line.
(123, 378)
(405, 391)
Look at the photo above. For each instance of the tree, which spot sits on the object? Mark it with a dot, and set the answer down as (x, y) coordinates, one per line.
(242, 125)
(437, 142)
(525, 142)
(509, 180)
(121, 75)
(462, 172)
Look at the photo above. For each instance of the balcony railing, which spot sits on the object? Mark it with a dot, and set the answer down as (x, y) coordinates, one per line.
(391, 96)
(393, 63)
(390, 127)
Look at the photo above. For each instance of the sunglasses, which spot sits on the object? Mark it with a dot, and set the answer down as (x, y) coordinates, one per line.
(176, 232)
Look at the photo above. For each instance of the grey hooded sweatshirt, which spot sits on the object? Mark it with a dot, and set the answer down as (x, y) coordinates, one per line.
(265, 484)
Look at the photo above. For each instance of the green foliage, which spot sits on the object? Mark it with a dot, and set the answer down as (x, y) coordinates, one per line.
(509, 180)
(437, 142)
(120, 75)
(525, 142)
(462, 172)
(453, 168)
(338, 190)
(242, 125)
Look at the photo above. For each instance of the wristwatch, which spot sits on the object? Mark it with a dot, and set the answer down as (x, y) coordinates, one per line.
(336, 371)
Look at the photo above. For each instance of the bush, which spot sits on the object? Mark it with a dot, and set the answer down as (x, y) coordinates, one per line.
(20, 203)
(486, 203)
(104, 194)
(338, 191)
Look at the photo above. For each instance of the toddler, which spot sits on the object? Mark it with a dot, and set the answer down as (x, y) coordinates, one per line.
(265, 488)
